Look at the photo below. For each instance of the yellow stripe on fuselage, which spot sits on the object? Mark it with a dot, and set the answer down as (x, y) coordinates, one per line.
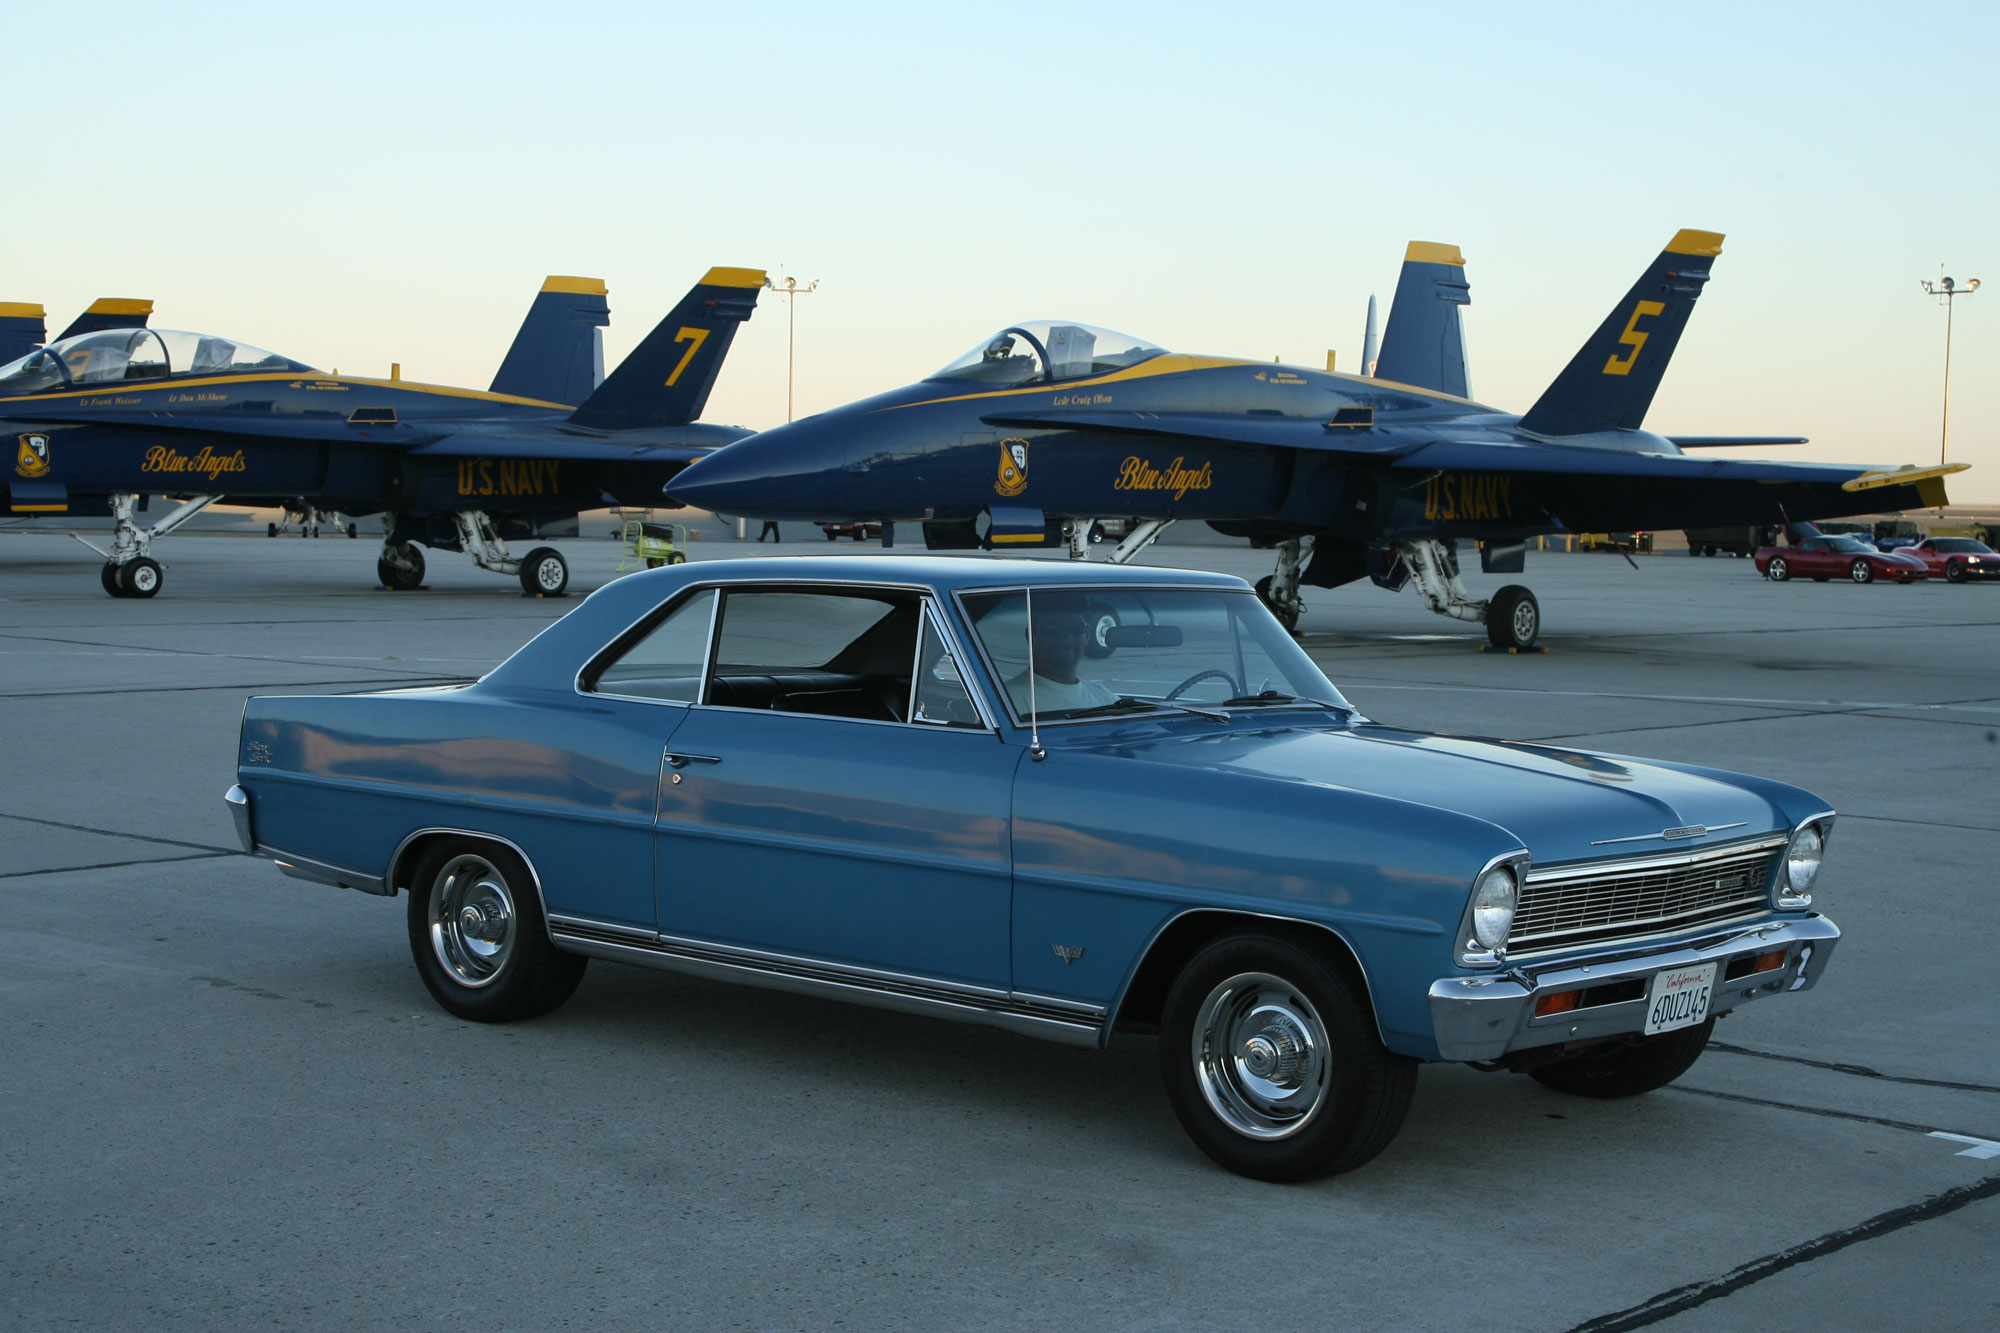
(1177, 363)
(1020, 537)
(121, 387)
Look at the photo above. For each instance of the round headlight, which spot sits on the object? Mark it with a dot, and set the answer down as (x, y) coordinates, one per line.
(1493, 900)
(1802, 860)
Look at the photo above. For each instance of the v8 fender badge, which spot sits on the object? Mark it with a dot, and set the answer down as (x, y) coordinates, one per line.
(33, 458)
(1069, 953)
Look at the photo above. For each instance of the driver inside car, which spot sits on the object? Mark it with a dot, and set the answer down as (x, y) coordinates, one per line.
(1059, 630)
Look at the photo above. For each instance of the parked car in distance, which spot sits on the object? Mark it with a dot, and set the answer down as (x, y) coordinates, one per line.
(1823, 558)
(911, 783)
(861, 532)
(1956, 559)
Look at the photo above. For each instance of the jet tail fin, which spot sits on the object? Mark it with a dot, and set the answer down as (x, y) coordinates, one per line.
(23, 328)
(109, 312)
(1424, 344)
(1610, 383)
(558, 356)
(666, 379)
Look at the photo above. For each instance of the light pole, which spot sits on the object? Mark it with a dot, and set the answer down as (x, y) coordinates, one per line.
(1947, 291)
(790, 289)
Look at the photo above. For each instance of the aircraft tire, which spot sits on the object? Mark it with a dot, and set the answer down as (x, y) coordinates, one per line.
(270, 529)
(352, 532)
(1288, 618)
(544, 573)
(404, 576)
(1513, 618)
(140, 577)
(108, 576)
(1780, 569)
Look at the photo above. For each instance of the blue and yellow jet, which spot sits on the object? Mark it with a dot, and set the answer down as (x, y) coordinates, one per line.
(102, 417)
(1043, 427)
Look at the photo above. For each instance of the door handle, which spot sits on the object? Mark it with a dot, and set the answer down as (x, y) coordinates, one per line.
(679, 760)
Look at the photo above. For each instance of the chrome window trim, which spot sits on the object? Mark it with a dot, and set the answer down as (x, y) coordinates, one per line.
(934, 612)
(663, 610)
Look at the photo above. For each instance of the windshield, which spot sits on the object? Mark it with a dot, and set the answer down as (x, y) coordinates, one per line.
(1847, 544)
(1130, 650)
(1960, 546)
(1047, 350)
(119, 356)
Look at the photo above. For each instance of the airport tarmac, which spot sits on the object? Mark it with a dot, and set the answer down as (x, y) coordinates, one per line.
(228, 1099)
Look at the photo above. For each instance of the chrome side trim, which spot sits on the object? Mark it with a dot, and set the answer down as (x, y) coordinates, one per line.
(325, 872)
(1042, 1016)
(239, 813)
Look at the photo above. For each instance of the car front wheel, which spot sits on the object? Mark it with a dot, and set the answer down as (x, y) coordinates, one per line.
(1648, 1063)
(1779, 569)
(1272, 1064)
(479, 938)
(1954, 572)
(1861, 571)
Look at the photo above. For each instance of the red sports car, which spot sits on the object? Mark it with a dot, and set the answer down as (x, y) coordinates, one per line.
(1957, 559)
(1823, 558)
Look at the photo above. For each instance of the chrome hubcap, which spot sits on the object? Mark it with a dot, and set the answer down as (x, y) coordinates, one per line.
(472, 920)
(1260, 1056)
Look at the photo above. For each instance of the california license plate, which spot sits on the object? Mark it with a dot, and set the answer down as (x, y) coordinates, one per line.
(1678, 998)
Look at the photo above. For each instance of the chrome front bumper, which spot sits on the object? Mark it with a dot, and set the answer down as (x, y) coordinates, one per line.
(1487, 1017)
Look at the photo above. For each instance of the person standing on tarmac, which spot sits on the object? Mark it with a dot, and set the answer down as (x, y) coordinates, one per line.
(770, 529)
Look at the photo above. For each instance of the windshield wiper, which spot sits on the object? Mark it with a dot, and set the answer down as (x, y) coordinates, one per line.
(1275, 697)
(1126, 702)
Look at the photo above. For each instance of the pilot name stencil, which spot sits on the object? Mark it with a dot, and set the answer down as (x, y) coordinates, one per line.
(508, 476)
(1457, 495)
(1139, 475)
(209, 463)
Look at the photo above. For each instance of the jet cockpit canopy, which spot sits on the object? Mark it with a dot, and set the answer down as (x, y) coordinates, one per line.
(120, 356)
(1047, 350)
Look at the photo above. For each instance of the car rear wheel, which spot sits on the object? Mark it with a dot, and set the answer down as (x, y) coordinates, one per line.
(1861, 571)
(479, 938)
(1272, 1064)
(1648, 1063)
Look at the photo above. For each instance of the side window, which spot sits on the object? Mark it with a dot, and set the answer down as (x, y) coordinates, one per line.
(667, 662)
(834, 654)
(942, 697)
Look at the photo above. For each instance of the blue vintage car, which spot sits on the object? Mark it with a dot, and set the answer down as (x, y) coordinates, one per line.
(1061, 799)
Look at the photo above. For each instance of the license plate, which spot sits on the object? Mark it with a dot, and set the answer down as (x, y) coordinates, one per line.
(1678, 998)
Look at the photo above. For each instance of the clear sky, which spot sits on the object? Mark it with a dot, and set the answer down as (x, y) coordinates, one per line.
(355, 184)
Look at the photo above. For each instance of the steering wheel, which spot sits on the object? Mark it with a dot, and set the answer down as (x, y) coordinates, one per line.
(1200, 676)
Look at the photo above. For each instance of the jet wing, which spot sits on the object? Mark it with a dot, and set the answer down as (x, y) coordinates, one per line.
(1735, 441)
(1227, 428)
(1452, 456)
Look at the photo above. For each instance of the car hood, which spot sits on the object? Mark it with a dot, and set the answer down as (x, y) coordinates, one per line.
(1564, 805)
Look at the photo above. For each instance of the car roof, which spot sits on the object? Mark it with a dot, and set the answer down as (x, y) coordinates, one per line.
(551, 660)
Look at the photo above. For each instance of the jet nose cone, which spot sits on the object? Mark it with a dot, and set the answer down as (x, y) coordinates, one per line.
(780, 473)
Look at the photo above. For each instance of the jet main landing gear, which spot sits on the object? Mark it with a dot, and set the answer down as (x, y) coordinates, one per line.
(1513, 618)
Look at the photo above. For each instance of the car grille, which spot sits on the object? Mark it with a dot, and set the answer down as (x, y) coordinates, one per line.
(1560, 909)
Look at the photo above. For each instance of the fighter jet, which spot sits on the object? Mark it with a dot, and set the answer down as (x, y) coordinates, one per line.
(1045, 426)
(100, 419)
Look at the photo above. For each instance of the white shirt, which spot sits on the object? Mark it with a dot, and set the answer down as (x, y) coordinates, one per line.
(1054, 696)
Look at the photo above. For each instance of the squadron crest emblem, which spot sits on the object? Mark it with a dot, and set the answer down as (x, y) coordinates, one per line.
(1013, 478)
(33, 458)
